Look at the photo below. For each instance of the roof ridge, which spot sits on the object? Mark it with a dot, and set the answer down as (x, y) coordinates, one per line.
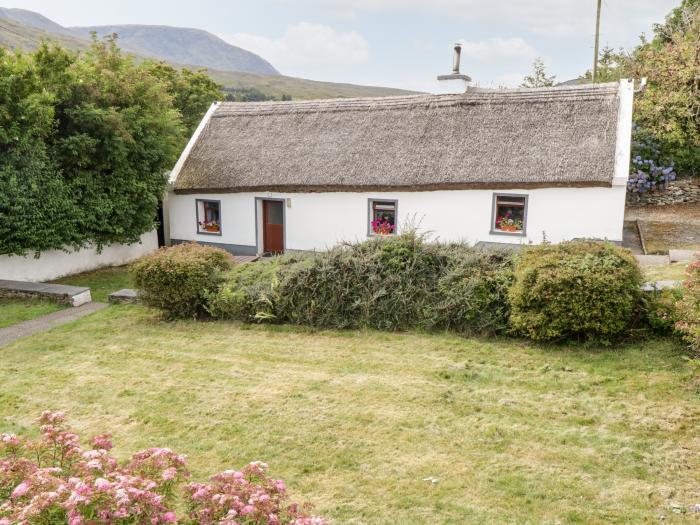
(472, 96)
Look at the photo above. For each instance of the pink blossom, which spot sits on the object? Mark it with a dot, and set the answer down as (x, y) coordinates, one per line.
(20, 490)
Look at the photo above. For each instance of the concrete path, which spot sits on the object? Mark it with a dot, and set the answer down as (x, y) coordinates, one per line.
(47, 322)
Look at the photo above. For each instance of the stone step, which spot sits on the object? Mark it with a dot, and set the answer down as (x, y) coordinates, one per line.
(652, 260)
(682, 255)
(72, 295)
(124, 296)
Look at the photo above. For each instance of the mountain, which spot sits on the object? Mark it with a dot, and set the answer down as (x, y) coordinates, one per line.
(35, 20)
(183, 46)
(15, 35)
(22, 29)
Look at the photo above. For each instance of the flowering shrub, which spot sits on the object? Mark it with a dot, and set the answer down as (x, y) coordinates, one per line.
(648, 170)
(54, 481)
(688, 308)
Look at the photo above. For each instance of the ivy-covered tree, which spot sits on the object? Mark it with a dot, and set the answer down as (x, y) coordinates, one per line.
(37, 211)
(85, 140)
(539, 77)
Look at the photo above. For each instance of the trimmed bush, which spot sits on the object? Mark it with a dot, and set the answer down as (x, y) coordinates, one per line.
(688, 308)
(179, 279)
(583, 290)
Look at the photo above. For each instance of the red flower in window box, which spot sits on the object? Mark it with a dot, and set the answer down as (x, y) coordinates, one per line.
(210, 226)
(381, 226)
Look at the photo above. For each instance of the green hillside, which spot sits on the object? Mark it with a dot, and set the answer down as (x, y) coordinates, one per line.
(17, 35)
(300, 88)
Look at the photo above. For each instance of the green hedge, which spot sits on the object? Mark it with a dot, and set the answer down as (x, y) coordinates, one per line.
(396, 283)
(587, 291)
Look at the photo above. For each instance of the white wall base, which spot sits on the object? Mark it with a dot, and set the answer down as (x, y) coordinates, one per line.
(55, 263)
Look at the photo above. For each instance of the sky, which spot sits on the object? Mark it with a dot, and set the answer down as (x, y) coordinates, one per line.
(395, 43)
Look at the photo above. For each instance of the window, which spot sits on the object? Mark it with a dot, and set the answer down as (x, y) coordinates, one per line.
(382, 217)
(509, 214)
(208, 217)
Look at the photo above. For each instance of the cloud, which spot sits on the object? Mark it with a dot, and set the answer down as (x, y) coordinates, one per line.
(307, 46)
(498, 50)
(558, 18)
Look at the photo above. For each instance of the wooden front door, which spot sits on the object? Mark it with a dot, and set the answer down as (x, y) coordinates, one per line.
(273, 226)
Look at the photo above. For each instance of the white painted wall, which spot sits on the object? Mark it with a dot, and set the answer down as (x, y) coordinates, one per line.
(321, 220)
(54, 264)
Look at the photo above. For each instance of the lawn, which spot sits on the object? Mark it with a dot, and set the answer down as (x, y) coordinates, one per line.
(101, 282)
(16, 310)
(382, 428)
(666, 272)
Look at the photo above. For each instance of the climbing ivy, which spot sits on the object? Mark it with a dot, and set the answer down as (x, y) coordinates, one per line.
(85, 141)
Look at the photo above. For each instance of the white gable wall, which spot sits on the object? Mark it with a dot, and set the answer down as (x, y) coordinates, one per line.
(321, 220)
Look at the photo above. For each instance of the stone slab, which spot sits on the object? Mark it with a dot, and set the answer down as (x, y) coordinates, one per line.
(124, 296)
(682, 255)
(652, 260)
(73, 295)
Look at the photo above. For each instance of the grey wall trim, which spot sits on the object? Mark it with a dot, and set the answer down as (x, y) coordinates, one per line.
(494, 231)
(234, 249)
(196, 208)
(258, 221)
(370, 233)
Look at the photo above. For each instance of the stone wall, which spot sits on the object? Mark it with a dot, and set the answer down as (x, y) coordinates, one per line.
(685, 189)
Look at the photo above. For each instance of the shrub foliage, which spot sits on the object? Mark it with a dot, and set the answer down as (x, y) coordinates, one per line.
(577, 290)
(688, 308)
(395, 283)
(179, 279)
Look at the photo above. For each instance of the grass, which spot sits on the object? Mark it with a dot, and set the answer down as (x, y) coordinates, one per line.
(15, 310)
(101, 282)
(666, 272)
(356, 421)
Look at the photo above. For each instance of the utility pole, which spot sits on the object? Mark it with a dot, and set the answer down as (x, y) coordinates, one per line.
(597, 40)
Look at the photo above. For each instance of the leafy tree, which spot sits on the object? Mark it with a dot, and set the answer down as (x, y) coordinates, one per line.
(668, 110)
(611, 66)
(192, 91)
(670, 106)
(539, 76)
(36, 208)
(85, 140)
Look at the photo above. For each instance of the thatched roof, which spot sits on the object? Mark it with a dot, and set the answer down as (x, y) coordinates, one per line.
(562, 136)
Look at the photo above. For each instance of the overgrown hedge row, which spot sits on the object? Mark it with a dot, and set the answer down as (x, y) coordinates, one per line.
(586, 291)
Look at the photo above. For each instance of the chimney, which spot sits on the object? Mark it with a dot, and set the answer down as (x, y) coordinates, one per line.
(455, 82)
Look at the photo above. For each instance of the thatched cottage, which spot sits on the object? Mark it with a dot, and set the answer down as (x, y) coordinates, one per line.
(485, 166)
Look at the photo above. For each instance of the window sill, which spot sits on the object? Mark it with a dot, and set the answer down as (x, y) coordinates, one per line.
(380, 235)
(217, 234)
(509, 234)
